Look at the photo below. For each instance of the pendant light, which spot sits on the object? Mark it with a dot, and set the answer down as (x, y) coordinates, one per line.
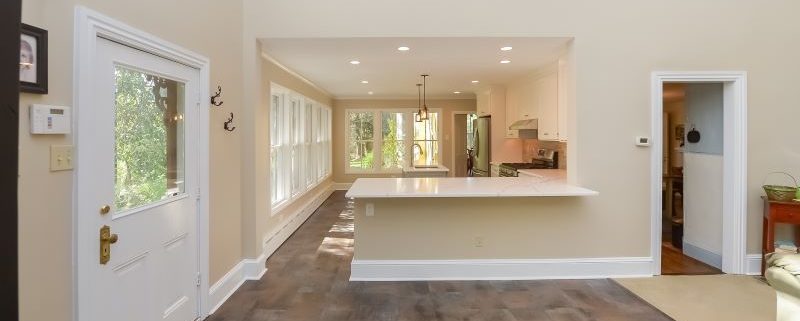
(418, 116)
(423, 115)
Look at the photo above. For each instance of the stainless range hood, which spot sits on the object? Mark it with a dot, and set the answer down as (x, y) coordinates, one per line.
(528, 128)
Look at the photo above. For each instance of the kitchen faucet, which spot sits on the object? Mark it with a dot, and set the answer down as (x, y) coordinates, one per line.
(421, 152)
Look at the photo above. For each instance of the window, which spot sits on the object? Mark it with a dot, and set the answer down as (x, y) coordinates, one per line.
(393, 137)
(426, 141)
(362, 140)
(388, 140)
(299, 145)
(149, 135)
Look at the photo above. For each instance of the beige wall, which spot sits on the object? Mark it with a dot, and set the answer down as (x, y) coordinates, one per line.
(511, 228)
(448, 106)
(618, 43)
(45, 200)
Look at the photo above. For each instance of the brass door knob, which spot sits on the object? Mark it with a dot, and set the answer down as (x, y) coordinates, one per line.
(112, 238)
(106, 239)
(105, 209)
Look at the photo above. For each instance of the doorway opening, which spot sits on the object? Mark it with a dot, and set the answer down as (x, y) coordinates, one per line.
(699, 173)
(692, 178)
(463, 143)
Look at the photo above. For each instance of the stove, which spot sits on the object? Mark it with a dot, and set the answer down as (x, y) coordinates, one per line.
(545, 160)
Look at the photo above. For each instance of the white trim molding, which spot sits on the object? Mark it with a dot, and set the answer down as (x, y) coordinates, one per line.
(275, 238)
(701, 254)
(88, 26)
(254, 269)
(499, 269)
(734, 207)
(222, 290)
(753, 264)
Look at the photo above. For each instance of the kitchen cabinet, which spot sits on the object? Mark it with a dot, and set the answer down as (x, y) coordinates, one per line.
(547, 102)
(543, 98)
(483, 107)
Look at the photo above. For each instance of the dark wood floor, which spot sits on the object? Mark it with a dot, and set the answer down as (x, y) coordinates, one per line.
(307, 279)
(674, 262)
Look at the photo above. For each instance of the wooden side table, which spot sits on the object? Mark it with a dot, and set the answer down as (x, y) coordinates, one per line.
(777, 212)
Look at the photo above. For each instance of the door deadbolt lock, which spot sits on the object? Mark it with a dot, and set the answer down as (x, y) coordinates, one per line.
(105, 209)
(106, 239)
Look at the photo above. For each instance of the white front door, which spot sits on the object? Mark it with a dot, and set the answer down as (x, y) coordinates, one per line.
(139, 177)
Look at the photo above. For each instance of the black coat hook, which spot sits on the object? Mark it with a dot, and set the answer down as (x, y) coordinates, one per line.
(214, 98)
(227, 124)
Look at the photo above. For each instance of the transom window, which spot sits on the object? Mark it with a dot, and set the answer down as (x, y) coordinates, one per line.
(383, 140)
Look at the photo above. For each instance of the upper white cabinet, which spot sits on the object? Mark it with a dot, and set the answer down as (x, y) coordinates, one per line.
(546, 92)
(483, 107)
(539, 97)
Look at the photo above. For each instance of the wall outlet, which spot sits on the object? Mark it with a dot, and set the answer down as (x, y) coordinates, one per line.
(370, 209)
(478, 241)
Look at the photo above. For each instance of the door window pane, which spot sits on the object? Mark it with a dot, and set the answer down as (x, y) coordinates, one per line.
(148, 131)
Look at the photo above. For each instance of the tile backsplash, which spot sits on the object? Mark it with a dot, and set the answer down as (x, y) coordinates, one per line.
(530, 146)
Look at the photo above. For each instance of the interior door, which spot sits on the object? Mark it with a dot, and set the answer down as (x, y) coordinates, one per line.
(140, 182)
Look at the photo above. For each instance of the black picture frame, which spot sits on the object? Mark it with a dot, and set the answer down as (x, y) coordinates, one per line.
(35, 80)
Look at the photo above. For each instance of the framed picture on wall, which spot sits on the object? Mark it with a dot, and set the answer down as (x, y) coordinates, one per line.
(33, 60)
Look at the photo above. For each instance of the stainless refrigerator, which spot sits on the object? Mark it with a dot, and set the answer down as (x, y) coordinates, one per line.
(482, 153)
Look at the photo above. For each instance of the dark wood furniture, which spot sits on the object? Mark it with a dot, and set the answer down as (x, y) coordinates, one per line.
(777, 212)
(10, 13)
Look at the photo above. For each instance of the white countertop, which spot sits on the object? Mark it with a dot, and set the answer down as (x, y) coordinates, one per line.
(438, 168)
(464, 187)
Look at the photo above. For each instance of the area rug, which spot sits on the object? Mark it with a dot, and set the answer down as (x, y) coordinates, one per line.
(707, 297)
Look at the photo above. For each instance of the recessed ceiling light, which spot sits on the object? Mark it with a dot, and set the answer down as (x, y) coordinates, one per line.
(506, 48)
(403, 48)
(475, 81)
(369, 92)
(456, 92)
(354, 62)
(364, 82)
(505, 61)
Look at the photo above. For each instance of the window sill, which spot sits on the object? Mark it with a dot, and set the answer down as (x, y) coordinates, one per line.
(282, 205)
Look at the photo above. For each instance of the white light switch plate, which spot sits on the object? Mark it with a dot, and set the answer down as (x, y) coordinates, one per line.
(60, 157)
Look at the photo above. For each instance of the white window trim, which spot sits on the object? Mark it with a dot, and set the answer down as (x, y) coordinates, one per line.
(378, 138)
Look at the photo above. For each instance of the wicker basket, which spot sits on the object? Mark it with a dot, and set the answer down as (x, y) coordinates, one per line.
(780, 193)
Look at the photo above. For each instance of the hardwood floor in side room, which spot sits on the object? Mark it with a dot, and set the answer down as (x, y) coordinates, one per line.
(674, 262)
(307, 279)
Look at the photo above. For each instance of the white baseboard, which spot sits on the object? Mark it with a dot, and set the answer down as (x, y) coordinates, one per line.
(702, 254)
(342, 186)
(753, 265)
(254, 269)
(247, 269)
(273, 240)
(500, 269)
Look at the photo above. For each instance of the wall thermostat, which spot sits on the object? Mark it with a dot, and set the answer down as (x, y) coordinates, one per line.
(47, 119)
(642, 141)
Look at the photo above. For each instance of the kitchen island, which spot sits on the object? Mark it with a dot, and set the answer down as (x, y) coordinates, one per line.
(469, 228)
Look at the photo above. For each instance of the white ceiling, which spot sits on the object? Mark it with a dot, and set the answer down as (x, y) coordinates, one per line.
(452, 63)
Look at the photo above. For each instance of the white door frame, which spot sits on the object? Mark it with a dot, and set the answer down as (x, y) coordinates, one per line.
(734, 208)
(453, 137)
(89, 25)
